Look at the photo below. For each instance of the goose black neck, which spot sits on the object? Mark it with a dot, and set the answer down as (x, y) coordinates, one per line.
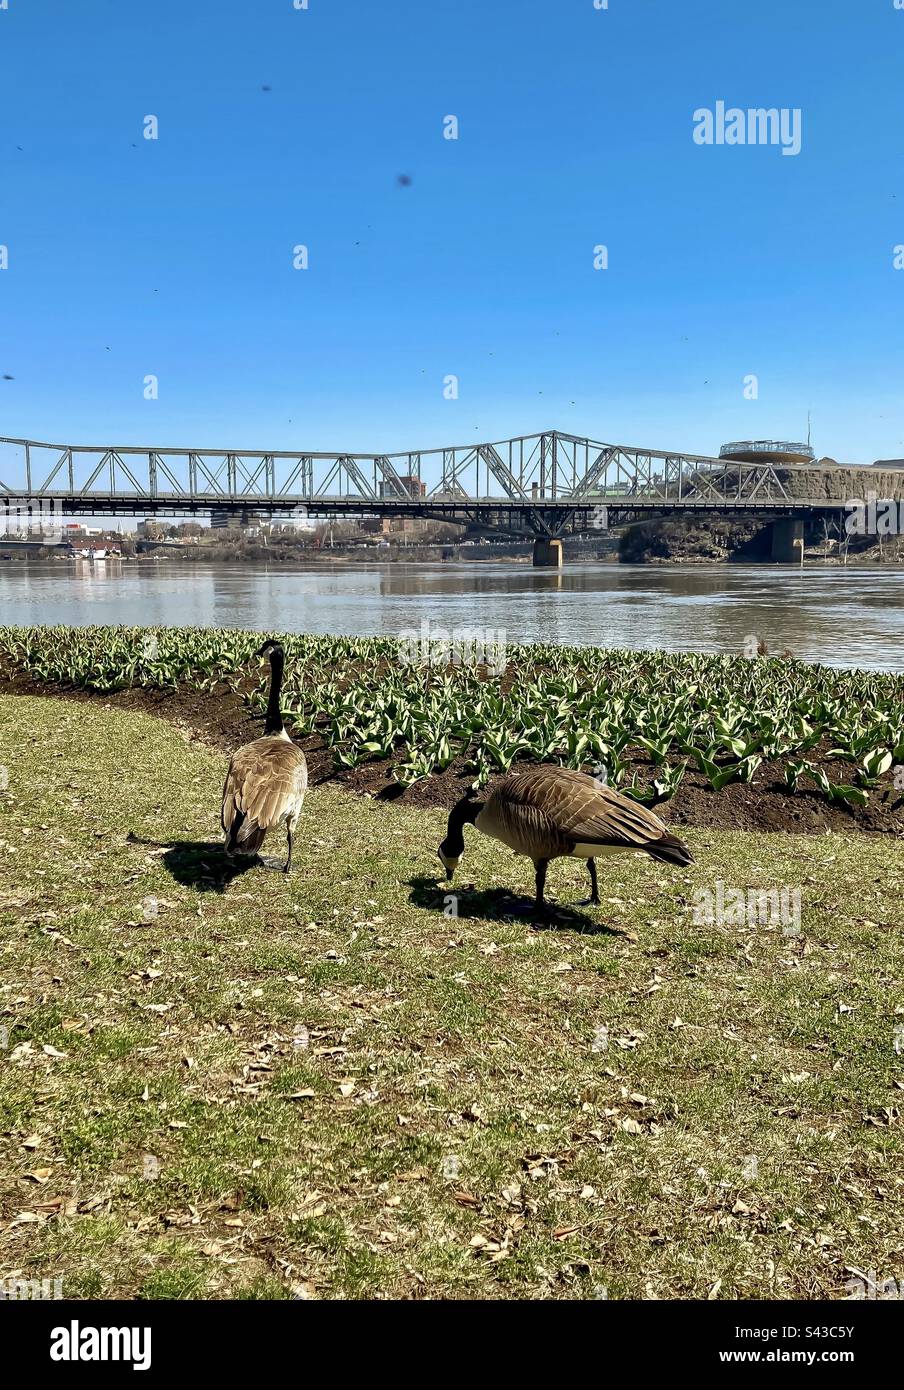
(462, 814)
(274, 724)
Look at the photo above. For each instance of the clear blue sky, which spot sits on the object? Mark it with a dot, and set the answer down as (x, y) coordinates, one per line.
(173, 257)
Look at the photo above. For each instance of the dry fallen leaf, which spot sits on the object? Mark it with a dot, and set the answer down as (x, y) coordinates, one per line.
(39, 1175)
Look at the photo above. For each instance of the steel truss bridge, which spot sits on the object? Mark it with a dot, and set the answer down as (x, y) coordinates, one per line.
(542, 485)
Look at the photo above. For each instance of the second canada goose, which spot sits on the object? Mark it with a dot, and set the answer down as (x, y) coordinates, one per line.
(551, 812)
(267, 779)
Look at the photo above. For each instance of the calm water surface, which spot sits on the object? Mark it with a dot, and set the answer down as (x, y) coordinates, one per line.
(844, 617)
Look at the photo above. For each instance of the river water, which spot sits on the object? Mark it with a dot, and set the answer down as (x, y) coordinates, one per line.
(844, 617)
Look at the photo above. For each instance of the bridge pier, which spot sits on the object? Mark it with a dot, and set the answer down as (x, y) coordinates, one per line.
(547, 552)
(787, 540)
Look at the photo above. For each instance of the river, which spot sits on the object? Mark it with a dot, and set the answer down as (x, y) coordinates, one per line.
(843, 617)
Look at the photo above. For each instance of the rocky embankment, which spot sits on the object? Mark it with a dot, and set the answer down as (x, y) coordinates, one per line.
(705, 540)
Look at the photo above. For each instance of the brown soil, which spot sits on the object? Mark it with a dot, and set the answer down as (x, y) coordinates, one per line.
(220, 719)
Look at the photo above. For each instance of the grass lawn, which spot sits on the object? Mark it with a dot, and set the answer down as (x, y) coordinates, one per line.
(331, 1087)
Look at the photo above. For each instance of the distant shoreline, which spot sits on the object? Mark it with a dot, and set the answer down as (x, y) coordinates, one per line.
(413, 555)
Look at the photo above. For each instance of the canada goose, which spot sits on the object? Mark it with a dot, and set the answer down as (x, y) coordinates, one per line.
(267, 779)
(550, 812)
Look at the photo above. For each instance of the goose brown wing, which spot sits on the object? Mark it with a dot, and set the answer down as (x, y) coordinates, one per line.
(582, 810)
(266, 780)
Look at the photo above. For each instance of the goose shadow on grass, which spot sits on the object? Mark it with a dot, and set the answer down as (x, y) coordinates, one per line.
(200, 864)
(497, 904)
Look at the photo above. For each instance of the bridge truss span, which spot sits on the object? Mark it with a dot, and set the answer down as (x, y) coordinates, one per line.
(545, 485)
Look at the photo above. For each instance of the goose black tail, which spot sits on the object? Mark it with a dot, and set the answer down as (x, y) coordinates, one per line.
(670, 850)
(243, 836)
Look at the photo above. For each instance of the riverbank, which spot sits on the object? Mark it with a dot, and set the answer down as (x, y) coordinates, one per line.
(328, 1087)
(725, 541)
(646, 543)
(580, 549)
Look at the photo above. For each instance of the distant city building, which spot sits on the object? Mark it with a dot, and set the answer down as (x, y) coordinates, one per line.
(412, 485)
(221, 518)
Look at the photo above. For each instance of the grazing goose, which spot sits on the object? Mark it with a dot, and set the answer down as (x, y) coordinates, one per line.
(550, 812)
(267, 779)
